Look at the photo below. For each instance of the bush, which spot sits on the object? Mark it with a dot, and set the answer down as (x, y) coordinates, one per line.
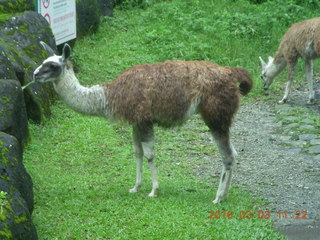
(127, 4)
(15, 6)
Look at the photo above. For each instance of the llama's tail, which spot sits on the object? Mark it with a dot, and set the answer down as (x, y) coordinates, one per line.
(244, 79)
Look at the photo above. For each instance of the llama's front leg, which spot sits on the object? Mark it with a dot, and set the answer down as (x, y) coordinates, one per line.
(228, 154)
(291, 69)
(309, 74)
(146, 137)
(139, 157)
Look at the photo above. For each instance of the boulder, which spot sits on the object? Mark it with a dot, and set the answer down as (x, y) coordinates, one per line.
(89, 14)
(16, 194)
(20, 53)
(13, 114)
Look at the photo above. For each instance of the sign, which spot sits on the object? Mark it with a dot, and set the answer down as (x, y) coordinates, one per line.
(61, 15)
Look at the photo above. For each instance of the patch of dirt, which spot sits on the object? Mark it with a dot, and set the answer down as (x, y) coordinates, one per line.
(286, 177)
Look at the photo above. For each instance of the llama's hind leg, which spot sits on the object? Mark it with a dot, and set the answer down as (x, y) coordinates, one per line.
(228, 154)
(139, 157)
(147, 142)
(148, 151)
(309, 73)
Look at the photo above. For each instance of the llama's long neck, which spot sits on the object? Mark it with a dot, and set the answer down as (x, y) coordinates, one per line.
(90, 101)
(276, 67)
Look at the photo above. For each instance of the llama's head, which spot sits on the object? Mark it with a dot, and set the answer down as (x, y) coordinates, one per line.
(54, 66)
(267, 74)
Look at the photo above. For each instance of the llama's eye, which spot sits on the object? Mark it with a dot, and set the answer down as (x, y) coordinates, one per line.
(54, 67)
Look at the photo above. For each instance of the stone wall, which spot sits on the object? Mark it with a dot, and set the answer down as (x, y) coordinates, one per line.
(16, 195)
(89, 13)
(20, 54)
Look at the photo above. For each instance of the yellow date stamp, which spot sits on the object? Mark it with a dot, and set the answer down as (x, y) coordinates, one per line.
(257, 214)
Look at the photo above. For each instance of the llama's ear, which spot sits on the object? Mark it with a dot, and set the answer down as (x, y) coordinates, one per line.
(47, 48)
(263, 63)
(270, 59)
(66, 52)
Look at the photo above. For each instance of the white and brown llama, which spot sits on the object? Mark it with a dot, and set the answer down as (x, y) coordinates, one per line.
(302, 40)
(166, 94)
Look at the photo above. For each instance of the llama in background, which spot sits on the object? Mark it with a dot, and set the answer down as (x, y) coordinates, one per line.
(302, 40)
(166, 94)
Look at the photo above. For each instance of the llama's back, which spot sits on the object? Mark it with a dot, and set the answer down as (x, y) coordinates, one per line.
(302, 39)
(168, 93)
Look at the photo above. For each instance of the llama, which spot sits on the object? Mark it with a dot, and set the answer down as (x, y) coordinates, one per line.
(166, 94)
(302, 40)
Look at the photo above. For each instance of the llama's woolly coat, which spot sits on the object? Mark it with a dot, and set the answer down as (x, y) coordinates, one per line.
(165, 93)
(301, 40)
(169, 92)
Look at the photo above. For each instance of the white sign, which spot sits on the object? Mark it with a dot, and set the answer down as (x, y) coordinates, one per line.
(61, 15)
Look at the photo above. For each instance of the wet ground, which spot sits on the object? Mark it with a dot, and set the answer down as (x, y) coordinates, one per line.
(279, 160)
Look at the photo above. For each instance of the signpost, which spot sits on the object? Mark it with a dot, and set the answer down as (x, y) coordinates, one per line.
(61, 15)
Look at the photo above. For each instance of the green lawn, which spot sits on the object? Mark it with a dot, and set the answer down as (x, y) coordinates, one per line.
(83, 167)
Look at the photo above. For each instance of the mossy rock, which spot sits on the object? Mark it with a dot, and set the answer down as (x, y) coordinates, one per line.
(13, 114)
(20, 53)
(17, 204)
(89, 14)
(12, 169)
(15, 219)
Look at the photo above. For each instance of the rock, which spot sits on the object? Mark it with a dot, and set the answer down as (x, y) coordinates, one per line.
(315, 142)
(13, 114)
(21, 52)
(285, 138)
(291, 118)
(314, 149)
(89, 14)
(16, 184)
(15, 219)
(283, 108)
(307, 137)
(13, 169)
(292, 125)
(106, 8)
(307, 120)
(306, 127)
(295, 150)
(298, 143)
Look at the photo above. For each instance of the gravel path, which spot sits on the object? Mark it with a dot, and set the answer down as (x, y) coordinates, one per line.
(286, 176)
(279, 160)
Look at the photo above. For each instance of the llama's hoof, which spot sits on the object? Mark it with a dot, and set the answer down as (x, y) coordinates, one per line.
(310, 102)
(219, 199)
(283, 101)
(152, 195)
(133, 190)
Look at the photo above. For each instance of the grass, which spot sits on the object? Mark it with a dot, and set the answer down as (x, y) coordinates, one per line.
(83, 167)
(82, 177)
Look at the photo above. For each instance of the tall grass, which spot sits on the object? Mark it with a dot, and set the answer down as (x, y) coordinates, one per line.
(227, 32)
(82, 167)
